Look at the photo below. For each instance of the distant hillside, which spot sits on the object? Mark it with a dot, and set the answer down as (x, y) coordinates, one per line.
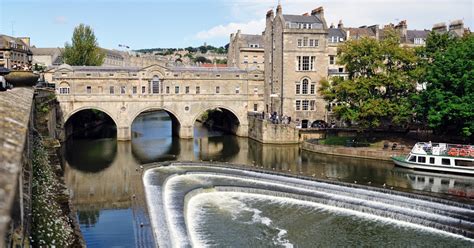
(170, 51)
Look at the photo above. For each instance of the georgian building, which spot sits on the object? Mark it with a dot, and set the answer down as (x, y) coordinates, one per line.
(15, 52)
(246, 51)
(296, 59)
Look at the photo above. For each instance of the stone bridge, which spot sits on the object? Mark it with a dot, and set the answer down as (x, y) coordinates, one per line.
(185, 93)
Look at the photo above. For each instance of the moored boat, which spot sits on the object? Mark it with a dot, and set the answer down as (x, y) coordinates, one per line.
(440, 157)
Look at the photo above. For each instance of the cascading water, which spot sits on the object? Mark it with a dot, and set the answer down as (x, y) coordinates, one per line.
(195, 204)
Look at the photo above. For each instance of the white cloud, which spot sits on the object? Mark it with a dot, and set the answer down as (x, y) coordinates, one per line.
(220, 31)
(60, 20)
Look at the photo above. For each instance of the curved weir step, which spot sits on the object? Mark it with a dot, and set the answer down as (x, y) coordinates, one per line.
(169, 189)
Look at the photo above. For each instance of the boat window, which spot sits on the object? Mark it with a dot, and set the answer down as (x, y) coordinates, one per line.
(460, 162)
(421, 159)
(432, 160)
(446, 161)
(412, 159)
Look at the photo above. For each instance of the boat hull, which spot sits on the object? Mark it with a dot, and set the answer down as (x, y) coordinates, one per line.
(400, 161)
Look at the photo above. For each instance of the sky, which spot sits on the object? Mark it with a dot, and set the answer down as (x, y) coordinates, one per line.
(181, 23)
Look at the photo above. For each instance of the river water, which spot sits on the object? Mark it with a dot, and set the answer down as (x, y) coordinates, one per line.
(105, 181)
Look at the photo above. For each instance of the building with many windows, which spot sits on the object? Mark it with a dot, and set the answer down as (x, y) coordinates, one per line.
(246, 51)
(15, 52)
(296, 59)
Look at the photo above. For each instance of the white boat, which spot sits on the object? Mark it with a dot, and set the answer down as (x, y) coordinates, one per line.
(440, 157)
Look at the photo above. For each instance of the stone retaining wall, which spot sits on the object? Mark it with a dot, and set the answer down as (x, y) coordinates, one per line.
(15, 116)
(357, 152)
(269, 133)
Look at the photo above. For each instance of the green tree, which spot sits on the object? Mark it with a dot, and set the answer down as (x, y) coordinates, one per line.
(380, 83)
(84, 49)
(447, 104)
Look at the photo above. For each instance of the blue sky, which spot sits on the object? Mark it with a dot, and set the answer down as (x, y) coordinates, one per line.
(180, 23)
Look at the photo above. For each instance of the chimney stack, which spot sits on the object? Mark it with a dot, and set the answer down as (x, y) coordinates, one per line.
(340, 25)
(457, 27)
(319, 12)
(402, 29)
(440, 27)
(306, 14)
(279, 10)
(270, 14)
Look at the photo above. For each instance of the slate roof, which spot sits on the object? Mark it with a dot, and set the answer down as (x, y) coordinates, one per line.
(336, 32)
(302, 19)
(412, 34)
(45, 51)
(361, 32)
(6, 38)
(253, 39)
(207, 69)
(98, 68)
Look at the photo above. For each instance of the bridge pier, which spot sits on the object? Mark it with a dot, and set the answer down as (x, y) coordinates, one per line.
(186, 132)
(124, 133)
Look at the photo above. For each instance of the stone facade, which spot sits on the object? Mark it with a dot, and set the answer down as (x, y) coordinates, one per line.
(296, 59)
(15, 52)
(184, 92)
(246, 51)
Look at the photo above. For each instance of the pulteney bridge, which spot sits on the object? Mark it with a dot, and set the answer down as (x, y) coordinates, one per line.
(185, 93)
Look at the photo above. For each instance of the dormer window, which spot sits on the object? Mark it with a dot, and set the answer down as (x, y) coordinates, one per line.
(419, 41)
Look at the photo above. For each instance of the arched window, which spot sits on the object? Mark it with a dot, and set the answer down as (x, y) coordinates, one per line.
(155, 85)
(64, 88)
(304, 87)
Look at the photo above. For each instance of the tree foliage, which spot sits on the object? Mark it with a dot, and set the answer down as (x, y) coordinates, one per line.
(382, 77)
(447, 104)
(84, 49)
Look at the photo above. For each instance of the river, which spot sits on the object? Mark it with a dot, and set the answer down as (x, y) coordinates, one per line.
(104, 178)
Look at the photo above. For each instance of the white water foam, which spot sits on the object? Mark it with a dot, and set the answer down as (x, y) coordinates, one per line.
(235, 206)
(193, 218)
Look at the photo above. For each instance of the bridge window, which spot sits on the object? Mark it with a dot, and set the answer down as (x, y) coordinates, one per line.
(298, 89)
(64, 90)
(312, 105)
(155, 85)
(134, 90)
(176, 89)
(237, 90)
(312, 89)
(112, 90)
(88, 89)
(218, 75)
(167, 89)
(198, 90)
(255, 90)
(218, 89)
(186, 90)
(143, 89)
(298, 104)
(255, 107)
(122, 90)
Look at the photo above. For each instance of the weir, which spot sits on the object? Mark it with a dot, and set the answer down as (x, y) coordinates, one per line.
(169, 190)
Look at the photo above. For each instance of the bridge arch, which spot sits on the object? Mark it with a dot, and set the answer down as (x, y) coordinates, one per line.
(176, 122)
(69, 115)
(68, 128)
(234, 119)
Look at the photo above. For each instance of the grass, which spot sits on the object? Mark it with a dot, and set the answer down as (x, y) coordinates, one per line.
(335, 141)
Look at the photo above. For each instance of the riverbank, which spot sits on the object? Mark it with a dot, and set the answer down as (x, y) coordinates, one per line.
(355, 152)
(54, 221)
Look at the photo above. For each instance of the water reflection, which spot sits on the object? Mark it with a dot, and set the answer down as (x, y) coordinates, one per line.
(91, 155)
(102, 174)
